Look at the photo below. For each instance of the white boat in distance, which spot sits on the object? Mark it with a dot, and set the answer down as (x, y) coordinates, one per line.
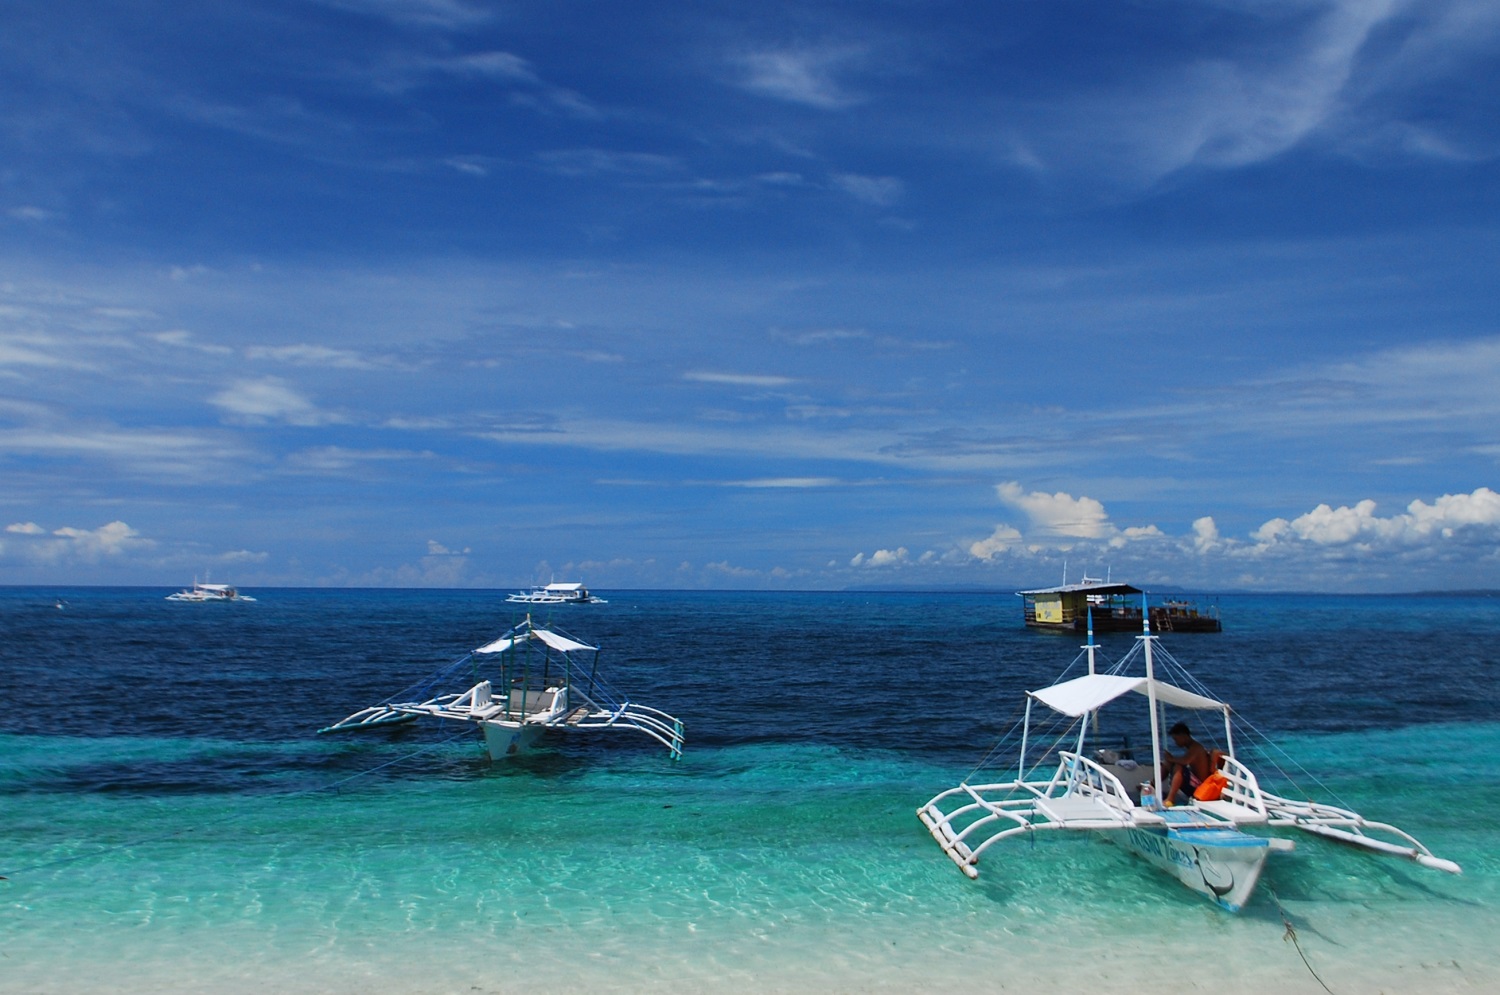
(543, 680)
(555, 594)
(1203, 843)
(209, 592)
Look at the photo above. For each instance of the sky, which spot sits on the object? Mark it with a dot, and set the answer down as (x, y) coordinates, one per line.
(731, 295)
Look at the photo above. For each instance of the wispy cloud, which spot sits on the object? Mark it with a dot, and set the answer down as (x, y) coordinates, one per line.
(881, 191)
(1333, 71)
(269, 400)
(604, 162)
(792, 483)
(304, 354)
(446, 14)
(341, 459)
(738, 379)
(807, 76)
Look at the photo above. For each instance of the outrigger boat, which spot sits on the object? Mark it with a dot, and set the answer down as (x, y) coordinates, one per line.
(1203, 843)
(543, 680)
(555, 594)
(209, 592)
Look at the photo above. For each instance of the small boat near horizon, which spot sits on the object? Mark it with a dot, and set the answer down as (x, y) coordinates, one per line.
(209, 592)
(541, 680)
(555, 594)
(1204, 842)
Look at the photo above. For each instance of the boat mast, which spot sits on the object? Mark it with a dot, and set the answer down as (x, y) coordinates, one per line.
(1151, 698)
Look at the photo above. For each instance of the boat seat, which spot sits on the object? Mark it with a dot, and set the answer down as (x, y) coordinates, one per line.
(1230, 812)
(1074, 809)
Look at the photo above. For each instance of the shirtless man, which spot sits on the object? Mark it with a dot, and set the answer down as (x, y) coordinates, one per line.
(1188, 770)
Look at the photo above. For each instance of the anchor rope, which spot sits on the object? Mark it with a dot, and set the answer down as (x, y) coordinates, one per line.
(1291, 935)
(227, 818)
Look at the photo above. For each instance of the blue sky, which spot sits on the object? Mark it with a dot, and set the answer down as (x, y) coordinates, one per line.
(731, 295)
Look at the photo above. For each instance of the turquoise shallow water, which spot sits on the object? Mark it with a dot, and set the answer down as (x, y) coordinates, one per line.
(782, 853)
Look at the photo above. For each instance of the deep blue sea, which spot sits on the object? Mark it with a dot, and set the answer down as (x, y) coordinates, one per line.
(169, 821)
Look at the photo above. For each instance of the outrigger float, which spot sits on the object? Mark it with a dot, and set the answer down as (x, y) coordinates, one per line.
(1202, 843)
(544, 681)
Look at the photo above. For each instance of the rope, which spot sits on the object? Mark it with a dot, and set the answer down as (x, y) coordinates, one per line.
(1265, 744)
(232, 817)
(1047, 733)
(1291, 935)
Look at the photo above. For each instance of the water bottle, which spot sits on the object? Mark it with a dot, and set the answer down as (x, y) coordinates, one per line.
(1148, 796)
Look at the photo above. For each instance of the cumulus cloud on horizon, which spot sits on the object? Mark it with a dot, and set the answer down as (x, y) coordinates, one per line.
(1061, 523)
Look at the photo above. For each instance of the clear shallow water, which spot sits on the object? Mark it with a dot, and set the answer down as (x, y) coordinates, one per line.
(165, 824)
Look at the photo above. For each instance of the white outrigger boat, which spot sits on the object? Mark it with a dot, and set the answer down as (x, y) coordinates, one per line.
(1202, 843)
(555, 594)
(209, 592)
(543, 680)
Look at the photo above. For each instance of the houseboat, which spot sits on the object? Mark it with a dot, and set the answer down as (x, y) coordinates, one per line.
(1116, 608)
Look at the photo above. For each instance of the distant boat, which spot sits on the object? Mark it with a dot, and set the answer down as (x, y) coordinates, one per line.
(209, 592)
(540, 680)
(555, 594)
(1115, 609)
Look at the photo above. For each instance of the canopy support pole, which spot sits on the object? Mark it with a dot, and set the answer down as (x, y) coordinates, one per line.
(1151, 698)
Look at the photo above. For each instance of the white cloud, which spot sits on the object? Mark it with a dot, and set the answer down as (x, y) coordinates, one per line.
(69, 545)
(1003, 540)
(880, 558)
(738, 379)
(882, 191)
(799, 75)
(786, 482)
(28, 212)
(606, 162)
(447, 14)
(1136, 533)
(338, 459)
(269, 400)
(312, 355)
(1452, 516)
(498, 65)
(183, 339)
(819, 336)
(110, 539)
(1337, 72)
(435, 548)
(1059, 514)
(1205, 534)
(151, 453)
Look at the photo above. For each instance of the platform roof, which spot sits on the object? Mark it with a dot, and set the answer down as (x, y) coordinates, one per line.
(1091, 587)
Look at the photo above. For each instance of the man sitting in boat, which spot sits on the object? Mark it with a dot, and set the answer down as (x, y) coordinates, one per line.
(1189, 770)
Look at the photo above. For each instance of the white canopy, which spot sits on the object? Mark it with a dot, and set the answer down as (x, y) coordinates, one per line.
(1091, 691)
(560, 643)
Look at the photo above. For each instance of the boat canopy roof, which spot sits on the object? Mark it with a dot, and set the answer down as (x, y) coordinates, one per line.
(1088, 587)
(560, 643)
(1092, 691)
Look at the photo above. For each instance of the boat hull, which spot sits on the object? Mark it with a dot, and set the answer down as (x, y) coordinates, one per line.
(1223, 865)
(509, 739)
(1106, 621)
